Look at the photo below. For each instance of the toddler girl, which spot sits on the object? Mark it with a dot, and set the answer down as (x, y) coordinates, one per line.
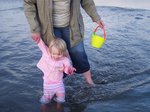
(53, 63)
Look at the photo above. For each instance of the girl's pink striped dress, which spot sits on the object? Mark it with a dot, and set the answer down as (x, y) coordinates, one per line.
(53, 77)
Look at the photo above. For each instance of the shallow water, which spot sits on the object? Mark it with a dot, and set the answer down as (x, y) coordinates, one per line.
(124, 60)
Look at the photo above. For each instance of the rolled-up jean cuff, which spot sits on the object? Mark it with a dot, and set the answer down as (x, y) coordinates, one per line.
(83, 71)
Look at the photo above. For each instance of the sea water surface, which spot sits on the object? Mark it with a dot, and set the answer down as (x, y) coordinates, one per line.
(124, 61)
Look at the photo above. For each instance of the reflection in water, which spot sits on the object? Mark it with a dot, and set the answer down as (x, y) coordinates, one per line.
(53, 107)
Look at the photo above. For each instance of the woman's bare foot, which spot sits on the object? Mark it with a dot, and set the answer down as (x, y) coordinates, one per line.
(88, 78)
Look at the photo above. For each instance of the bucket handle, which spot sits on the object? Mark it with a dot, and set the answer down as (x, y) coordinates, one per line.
(104, 31)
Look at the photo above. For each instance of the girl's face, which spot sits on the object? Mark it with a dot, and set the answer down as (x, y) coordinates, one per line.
(55, 53)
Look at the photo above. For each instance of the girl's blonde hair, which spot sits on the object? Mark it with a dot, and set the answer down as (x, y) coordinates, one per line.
(59, 44)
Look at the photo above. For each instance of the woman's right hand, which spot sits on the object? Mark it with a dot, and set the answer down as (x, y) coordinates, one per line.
(36, 37)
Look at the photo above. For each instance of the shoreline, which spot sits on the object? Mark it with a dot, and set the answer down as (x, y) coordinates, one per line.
(145, 4)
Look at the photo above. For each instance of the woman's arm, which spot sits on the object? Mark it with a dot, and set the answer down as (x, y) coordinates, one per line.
(30, 10)
(90, 8)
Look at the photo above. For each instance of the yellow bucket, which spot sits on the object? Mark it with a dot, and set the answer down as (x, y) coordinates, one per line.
(98, 41)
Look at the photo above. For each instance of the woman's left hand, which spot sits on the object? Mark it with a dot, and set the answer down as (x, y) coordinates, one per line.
(100, 23)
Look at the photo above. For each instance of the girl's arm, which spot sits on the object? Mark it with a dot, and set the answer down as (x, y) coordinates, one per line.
(68, 68)
(40, 43)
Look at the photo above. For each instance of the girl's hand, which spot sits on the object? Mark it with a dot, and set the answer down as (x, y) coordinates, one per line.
(36, 37)
(71, 70)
